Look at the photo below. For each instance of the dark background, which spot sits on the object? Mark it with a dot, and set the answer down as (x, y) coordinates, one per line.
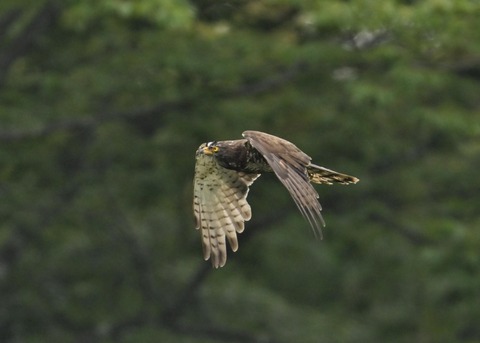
(103, 104)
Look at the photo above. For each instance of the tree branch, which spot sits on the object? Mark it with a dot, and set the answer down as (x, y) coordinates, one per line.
(7, 19)
(270, 83)
(249, 89)
(220, 334)
(81, 124)
(45, 17)
(173, 314)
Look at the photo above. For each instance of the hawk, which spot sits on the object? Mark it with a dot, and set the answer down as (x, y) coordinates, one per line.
(224, 170)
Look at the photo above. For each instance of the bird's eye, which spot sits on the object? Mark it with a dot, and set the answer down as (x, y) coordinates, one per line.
(212, 146)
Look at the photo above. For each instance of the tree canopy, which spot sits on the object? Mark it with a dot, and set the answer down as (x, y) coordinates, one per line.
(103, 104)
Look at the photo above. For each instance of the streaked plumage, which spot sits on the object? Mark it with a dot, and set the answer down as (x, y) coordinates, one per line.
(223, 173)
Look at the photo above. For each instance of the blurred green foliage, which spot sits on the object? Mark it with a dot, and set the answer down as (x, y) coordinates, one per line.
(103, 104)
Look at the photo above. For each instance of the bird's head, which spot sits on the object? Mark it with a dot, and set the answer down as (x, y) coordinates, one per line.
(229, 154)
(208, 149)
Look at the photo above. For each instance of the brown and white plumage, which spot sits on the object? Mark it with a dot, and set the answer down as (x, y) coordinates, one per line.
(223, 172)
(220, 207)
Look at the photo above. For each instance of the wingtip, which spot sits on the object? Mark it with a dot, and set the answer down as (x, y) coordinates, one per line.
(218, 264)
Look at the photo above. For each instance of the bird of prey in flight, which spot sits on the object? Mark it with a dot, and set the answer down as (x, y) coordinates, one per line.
(225, 169)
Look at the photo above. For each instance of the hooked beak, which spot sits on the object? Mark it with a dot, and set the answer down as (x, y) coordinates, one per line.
(208, 150)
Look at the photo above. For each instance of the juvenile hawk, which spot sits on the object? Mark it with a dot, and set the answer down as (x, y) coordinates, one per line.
(223, 172)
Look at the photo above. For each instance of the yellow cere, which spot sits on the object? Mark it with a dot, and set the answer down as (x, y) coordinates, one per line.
(210, 150)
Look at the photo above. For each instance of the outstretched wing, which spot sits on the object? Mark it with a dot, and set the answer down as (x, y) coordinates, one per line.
(290, 165)
(220, 207)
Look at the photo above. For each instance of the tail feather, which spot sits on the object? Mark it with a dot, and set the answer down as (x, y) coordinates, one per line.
(326, 176)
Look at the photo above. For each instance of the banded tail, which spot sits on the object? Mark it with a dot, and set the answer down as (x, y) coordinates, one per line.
(326, 176)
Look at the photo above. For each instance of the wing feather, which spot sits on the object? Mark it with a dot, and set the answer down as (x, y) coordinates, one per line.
(220, 207)
(289, 164)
